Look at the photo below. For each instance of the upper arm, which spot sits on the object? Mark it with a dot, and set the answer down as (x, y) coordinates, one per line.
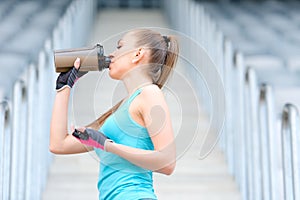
(157, 119)
(156, 116)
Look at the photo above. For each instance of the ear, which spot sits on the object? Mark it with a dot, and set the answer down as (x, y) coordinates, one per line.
(138, 55)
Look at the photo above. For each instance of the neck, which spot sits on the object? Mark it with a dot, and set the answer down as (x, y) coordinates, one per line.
(136, 79)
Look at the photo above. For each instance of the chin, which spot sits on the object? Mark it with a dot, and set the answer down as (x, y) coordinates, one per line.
(113, 76)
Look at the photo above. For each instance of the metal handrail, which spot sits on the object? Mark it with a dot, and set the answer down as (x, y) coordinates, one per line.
(291, 151)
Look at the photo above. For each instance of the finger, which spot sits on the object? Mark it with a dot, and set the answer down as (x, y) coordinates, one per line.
(77, 63)
(81, 129)
(72, 128)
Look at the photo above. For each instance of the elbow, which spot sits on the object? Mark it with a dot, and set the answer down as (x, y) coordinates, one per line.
(169, 164)
(168, 170)
(55, 149)
(56, 145)
(52, 149)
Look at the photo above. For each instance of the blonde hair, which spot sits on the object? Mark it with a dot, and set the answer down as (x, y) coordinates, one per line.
(163, 57)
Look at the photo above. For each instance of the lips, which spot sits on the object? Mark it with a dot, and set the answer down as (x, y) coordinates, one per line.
(109, 67)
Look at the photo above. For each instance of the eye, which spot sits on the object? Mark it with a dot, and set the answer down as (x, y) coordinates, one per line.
(119, 47)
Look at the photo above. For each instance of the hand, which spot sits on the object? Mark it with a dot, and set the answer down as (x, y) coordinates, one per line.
(68, 79)
(91, 137)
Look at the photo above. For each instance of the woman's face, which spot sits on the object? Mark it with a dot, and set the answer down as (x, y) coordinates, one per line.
(122, 57)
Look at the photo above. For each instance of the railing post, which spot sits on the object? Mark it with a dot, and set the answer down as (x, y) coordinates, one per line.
(198, 26)
(220, 66)
(18, 141)
(248, 135)
(41, 115)
(228, 66)
(254, 173)
(265, 92)
(5, 146)
(193, 19)
(240, 142)
(270, 140)
(291, 152)
(49, 92)
(31, 166)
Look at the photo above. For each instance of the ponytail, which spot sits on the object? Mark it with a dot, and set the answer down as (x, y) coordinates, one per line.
(169, 61)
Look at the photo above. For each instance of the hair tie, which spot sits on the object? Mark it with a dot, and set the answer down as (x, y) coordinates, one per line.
(167, 40)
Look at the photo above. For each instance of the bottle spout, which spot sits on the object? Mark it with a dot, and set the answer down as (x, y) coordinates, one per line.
(107, 61)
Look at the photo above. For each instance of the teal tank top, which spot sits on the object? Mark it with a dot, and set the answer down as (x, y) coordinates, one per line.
(119, 179)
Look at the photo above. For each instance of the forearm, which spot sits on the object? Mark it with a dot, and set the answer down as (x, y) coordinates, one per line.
(149, 159)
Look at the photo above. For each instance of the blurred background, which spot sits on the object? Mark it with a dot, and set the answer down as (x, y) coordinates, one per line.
(255, 48)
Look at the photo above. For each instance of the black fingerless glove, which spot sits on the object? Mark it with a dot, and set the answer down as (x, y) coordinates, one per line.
(68, 79)
(91, 137)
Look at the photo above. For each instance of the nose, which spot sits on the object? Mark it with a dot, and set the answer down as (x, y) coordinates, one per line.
(112, 55)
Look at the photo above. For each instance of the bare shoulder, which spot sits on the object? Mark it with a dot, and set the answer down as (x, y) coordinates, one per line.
(152, 95)
(151, 92)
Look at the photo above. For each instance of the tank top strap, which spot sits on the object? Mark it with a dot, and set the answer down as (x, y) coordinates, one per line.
(131, 98)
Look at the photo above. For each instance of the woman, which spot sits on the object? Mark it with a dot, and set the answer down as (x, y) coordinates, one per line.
(135, 137)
